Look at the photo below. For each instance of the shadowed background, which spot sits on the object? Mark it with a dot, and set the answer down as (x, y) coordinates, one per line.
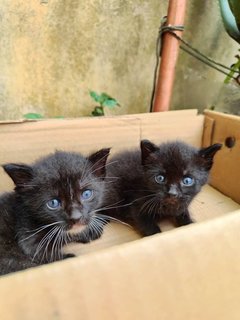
(53, 52)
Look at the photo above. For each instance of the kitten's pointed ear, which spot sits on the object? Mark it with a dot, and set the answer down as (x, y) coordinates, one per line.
(20, 173)
(208, 154)
(98, 159)
(147, 149)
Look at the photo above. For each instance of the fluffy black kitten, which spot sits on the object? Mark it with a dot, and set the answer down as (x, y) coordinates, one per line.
(55, 202)
(157, 182)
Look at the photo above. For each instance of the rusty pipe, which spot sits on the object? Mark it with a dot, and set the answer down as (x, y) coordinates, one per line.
(170, 50)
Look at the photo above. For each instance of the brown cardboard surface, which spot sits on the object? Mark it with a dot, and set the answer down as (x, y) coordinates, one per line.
(191, 272)
(225, 173)
(162, 127)
(26, 141)
(208, 204)
(208, 131)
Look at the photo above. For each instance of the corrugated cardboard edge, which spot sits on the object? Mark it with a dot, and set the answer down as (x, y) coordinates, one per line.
(208, 131)
(26, 141)
(191, 272)
(187, 112)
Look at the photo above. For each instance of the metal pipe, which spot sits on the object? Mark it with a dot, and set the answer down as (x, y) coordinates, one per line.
(170, 49)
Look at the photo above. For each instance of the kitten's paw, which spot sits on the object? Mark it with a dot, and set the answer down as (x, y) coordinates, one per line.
(95, 235)
(82, 240)
(184, 220)
(68, 255)
(150, 231)
(91, 236)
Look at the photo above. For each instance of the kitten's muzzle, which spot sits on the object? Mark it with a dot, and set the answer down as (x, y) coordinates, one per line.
(76, 227)
(79, 217)
(173, 191)
(81, 221)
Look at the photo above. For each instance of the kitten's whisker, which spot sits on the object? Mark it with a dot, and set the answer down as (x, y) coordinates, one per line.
(147, 196)
(85, 233)
(93, 228)
(62, 243)
(50, 238)
(58, 247)
(88, 168)
(39, 230)
(152, 207)
(110, 177)
(46, 225)
(147, 204)
(99, 181)
(42, 241)
(109, 207)
(46, 241)
(43, 244)
(105, 217)
(27, 185)
(103, 166)
(84, 170)
(55, 242)
(64, 239)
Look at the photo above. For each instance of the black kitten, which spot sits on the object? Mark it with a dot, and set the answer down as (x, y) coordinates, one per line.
(157, 182)
(54, 203)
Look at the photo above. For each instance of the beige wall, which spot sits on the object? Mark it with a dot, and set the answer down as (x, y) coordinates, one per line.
(53, 53)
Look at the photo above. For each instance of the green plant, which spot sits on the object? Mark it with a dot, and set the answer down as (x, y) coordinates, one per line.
(104, 100)
(35, 116)
(235, 68)
(31, 116)
(230, 12)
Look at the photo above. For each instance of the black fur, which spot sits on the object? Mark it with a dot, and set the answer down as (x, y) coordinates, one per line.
(32, 230)
(142, 198)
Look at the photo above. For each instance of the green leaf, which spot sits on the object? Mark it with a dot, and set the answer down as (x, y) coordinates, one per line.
(106, 96)
(110, 103)
(98, 111)
(235, 67)
(228, 9)
(31, 116)
(95, 96)
(235, 8)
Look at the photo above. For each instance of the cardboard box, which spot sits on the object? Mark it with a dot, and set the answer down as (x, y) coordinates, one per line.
(191, 272)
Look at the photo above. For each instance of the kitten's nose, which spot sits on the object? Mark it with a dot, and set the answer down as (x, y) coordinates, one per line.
(173, 191)
(78, 217)
(75, 214)
(82, 220)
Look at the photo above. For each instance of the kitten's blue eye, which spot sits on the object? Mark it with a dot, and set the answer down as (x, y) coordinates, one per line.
(188, 181)
(53, 204)
(86, 194)
(160, 178)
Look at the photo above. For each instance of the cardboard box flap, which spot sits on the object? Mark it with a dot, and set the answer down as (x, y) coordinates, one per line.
(225, 175)
(188, 273)
(26, 141)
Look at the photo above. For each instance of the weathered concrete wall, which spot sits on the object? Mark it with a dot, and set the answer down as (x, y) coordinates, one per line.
(196, 84)
(52, 52)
